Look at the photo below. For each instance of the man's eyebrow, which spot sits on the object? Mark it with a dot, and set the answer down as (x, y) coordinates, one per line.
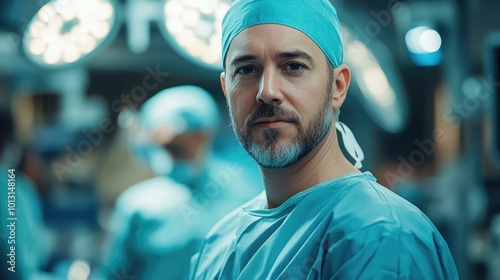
(243, 58)
(287, 54)
(296, 54)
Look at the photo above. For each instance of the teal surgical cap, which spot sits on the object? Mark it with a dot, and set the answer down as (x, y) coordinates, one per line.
(185, 108)
(315, 18)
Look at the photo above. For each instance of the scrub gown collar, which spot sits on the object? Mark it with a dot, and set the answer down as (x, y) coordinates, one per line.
(259, 209)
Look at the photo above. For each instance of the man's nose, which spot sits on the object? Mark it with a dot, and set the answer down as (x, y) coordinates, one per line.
(269, 88)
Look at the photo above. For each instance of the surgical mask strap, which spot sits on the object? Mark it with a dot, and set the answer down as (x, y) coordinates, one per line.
(350, 144)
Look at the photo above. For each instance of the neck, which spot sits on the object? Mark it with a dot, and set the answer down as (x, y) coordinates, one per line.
(323, 163)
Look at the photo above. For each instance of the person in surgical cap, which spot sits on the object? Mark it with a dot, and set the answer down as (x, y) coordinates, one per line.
(24, 238)
(319, 217)
(159, 223)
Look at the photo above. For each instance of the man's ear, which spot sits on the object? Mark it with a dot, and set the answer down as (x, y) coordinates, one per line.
(223, 83)
(341, 80)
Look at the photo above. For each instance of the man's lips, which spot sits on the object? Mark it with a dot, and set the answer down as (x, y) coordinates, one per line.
(271, 122)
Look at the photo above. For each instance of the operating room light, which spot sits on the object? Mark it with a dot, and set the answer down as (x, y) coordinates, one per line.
(380, 90)
(194, 28)
(377, 83)
(373, 82)
(424, 45)
(64, 31)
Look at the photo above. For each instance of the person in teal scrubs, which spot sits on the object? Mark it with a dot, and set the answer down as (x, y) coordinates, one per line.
(24, 239)
(319, 216)
(159, 223)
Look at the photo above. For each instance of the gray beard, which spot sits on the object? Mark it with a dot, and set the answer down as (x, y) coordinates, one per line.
(273, 154)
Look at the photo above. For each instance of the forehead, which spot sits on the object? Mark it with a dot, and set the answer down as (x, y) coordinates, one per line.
(272, 39)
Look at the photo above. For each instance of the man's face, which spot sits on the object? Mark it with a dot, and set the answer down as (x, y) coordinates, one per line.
(183, 147)
(279, 93)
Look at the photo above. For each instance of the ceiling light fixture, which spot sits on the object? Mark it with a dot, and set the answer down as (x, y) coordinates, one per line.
(194, 29)
(63, 32)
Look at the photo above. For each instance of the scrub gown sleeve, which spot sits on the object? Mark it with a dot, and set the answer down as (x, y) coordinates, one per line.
(116, 257)
(385, 251)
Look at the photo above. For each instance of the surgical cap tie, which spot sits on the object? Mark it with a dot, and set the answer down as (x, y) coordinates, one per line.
(350, 144)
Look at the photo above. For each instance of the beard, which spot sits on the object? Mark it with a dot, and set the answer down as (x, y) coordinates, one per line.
(272, 153)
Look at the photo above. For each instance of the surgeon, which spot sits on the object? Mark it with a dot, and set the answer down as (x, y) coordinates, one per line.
(24, 239)
(159, 223)
(319, 216)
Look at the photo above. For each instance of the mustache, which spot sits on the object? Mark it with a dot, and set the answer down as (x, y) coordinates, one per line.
(267, 111)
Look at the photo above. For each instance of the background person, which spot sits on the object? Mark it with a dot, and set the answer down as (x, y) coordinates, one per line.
(30, 238)
(159, 223)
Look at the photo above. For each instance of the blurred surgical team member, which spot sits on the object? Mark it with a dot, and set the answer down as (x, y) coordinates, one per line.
(159, 223)
(23, 241)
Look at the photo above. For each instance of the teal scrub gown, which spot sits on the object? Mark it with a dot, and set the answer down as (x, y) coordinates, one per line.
(346, 228)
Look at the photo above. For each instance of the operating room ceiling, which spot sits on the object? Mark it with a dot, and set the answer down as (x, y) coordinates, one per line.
(477, 17)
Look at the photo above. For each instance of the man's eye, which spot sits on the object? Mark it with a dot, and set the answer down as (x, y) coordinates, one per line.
(294, 67)
(246, 70)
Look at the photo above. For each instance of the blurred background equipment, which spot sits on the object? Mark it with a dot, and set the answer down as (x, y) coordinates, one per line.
(492, 183)
(424, 45)
(376, 81)
(492, 70)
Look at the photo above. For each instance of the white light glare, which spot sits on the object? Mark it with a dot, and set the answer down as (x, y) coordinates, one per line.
(422, 40)
(377, 79)
(64, 31)
(372, 81)
(79, 270)
(193, 24)
(377, 84)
